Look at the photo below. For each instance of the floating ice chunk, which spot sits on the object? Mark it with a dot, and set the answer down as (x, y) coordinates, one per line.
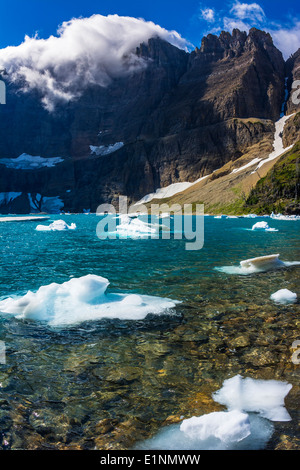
(133, 227)
(231, 426)
(284, 296)
(260, 225)
(25, 218)
(262, 262)
(257, 265)
(262, 396)
(263, 226)
(83, 299)
(57, 225)
(284, 217)
(234, 429)
(173, 438)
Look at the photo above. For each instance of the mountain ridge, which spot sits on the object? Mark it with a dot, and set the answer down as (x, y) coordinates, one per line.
(178, 119)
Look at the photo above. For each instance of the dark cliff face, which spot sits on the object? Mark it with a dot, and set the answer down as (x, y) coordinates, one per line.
(291, 132)
(293, 73)
(181, 117)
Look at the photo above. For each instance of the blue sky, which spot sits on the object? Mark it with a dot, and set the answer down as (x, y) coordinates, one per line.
(191, 18)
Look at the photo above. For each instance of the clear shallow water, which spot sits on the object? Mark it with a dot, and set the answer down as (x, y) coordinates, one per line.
(112, 383)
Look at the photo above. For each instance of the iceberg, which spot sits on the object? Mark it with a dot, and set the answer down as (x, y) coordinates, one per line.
(56, 226)
(284, 217)
(257, 265)
(173, 438)
(25, 218)
(252, 406)
(133, 227)
(228, 426)
(83, 299)
(284, 296)
(262, 262)
(265, 397)
(263, 226)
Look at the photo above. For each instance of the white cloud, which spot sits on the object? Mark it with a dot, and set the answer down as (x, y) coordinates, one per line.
(208, 14)
(286, 39)
(250, 11)
(86, 51)
(232, 23)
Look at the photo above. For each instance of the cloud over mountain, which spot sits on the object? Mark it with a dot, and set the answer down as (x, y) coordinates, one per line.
(85, 51)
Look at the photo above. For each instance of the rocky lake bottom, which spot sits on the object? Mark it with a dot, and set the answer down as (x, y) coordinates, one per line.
(113, 384)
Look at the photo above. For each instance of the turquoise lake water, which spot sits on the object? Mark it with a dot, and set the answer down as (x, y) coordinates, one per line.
(112, 383)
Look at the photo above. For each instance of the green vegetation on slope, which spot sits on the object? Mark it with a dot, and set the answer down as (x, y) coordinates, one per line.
(279, 190)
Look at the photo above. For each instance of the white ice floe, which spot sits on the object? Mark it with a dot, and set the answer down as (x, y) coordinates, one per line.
(284, 217)
(265, 397)
(252, 405)
(256, 265)
(263, 226)
(133, 227)
(83, 299)
(30, 162)
(172, 438)
(56, 226)
(25, 218)
(102, 150)
(232, 426)
(284, 296)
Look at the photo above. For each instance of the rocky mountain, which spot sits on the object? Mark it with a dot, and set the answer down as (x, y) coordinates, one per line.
(182, 116)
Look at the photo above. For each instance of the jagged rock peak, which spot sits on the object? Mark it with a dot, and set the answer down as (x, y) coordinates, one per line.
(156, 48)
(234, 43)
